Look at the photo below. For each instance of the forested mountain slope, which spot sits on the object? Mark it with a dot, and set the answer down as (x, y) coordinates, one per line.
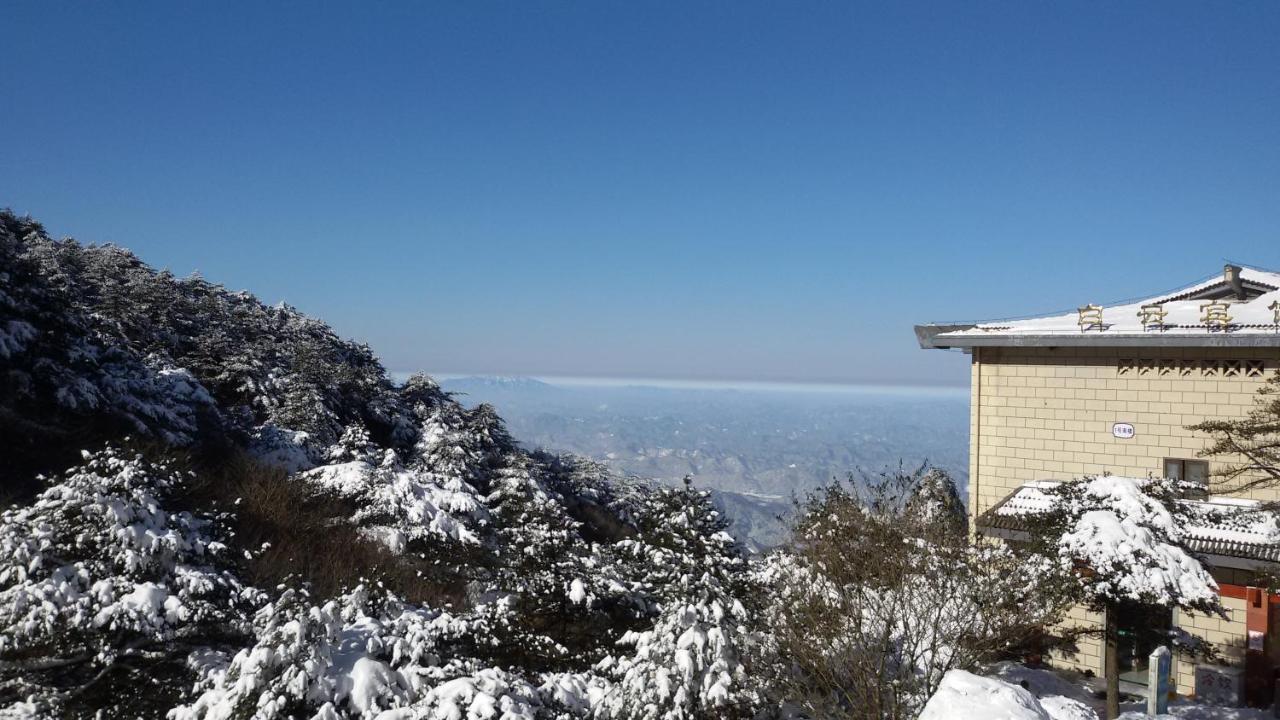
(220, 509)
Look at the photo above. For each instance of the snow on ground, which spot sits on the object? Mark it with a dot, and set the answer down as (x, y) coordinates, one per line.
(1187, 711)
(1016, 692)
(1063, 696)
(965, 696)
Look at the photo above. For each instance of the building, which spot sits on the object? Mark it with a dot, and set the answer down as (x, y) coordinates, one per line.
(1112, 389)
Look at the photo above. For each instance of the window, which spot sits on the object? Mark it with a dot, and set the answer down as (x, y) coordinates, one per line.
(1196, 471)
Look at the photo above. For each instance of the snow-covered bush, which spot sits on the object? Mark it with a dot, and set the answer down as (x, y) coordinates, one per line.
(688, 665)
(401, 503)
(1122, 537)
(99, 582)
(366, 655)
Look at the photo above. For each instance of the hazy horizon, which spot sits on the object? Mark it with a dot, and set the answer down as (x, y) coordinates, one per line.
(804, 386)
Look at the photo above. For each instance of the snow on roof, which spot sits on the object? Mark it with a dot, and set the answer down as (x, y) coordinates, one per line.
(1231, 527)
(1251, 297)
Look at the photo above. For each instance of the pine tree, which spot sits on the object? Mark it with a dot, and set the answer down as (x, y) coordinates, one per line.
(1249, 445)
(690, 664)
(103, 589)
(554, 578)
(354, 446)
(544, 563)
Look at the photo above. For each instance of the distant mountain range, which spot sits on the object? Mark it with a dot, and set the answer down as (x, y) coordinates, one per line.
(491, 382)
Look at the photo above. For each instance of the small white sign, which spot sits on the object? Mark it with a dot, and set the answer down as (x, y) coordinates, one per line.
(1124, 431)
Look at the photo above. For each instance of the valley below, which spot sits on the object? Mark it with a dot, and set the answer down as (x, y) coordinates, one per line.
(758, 449)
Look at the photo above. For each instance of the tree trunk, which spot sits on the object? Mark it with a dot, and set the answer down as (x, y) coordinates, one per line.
(1111, 662)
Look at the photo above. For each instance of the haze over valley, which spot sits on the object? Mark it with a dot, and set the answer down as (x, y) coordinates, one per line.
(754, 446)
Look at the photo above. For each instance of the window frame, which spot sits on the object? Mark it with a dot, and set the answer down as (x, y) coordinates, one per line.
(1183, 466)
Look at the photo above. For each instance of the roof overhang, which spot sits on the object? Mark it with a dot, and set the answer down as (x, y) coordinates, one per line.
(946, 337)
(1244, 554)
(927, 335)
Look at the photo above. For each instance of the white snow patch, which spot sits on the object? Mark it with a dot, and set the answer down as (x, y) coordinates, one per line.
(965, 696)
(577, 592)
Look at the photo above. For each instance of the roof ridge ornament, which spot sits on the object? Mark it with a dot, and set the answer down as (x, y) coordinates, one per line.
(1152, 315)
(1214, 315)
(1090, 317)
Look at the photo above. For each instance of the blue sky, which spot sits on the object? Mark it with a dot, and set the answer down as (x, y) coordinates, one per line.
(726, 190)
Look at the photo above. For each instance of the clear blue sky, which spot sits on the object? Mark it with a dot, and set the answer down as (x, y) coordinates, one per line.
(727, 190)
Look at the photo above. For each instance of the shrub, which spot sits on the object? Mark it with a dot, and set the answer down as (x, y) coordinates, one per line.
(877, 597)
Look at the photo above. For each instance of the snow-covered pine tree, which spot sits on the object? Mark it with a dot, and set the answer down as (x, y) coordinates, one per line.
(1119, 541)
(690, 664)
(451, 442)
(354, 446)
(103, 591)
(326, 467)
(91, 333)
(69, 381)
(544, 563)
(356, 657)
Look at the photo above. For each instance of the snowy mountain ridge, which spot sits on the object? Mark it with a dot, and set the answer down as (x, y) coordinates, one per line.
(220, 509)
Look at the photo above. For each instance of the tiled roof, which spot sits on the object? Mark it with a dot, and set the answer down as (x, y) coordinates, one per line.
(1226, 527)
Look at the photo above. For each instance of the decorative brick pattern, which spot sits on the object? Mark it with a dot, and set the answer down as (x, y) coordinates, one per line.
(1186, 367)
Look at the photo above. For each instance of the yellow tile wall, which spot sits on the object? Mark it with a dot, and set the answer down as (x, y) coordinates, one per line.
(1229, 635)
(1047, 414)
(1088, 654)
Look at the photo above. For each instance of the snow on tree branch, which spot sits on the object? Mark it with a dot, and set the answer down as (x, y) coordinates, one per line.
(1123, 539)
